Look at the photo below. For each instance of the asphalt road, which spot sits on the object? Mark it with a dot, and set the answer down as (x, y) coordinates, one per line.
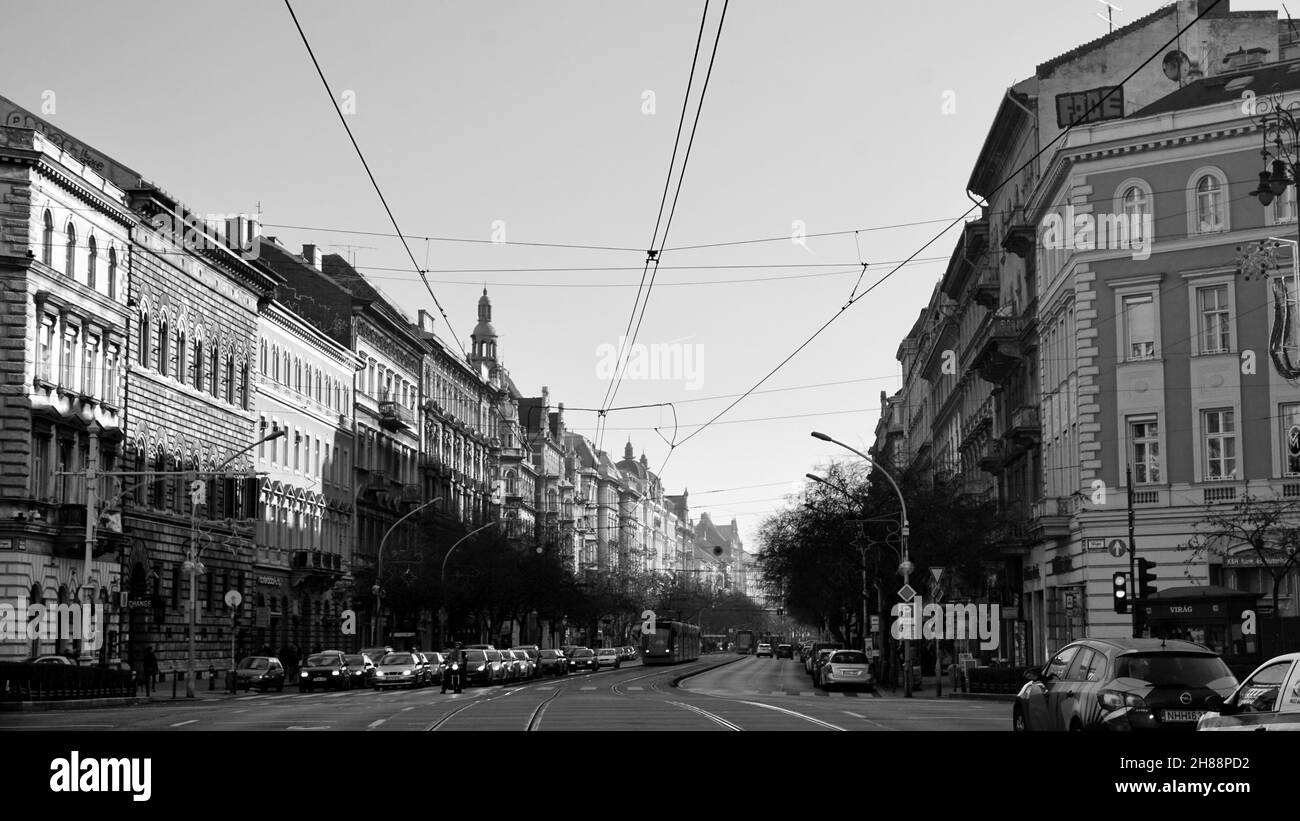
(738, 694)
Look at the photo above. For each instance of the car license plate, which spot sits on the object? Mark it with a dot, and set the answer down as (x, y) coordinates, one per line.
(1181, 715)
(851, 672)
(318, 678)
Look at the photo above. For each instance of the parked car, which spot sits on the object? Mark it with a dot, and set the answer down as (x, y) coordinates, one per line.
(582, 658)
(847, 668)
(361, 668)
(815, 648)
(49, 660)
(552, 663)
(608, 657)
(785, 651)
(260, 673)
(764, 649)
(477, 669)
(1123, 684)
(816, 664)
(1269, 699)
(324, 671)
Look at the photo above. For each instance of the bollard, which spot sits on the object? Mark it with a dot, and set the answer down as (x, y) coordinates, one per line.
(174, 677)
(212, 678)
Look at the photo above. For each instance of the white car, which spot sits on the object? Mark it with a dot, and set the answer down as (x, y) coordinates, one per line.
(608, 657)
(1269, 699)
(764, 649)
(846, 668)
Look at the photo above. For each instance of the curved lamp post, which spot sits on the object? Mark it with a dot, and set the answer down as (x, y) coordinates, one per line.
(379, 569)
(192, 564)
(905, 566)
(442, 579)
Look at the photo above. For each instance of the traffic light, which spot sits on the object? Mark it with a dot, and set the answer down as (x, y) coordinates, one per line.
(1146, 579)
(1119, 592)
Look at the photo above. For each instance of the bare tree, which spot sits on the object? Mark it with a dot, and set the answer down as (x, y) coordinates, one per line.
(1270, 527)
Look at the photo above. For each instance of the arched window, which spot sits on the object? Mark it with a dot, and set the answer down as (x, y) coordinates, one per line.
(1208, 202)
(47, 240)
(182, 357)
(164, 347)
(275, 364)
(243, 387)
(112, 273)
(230, 379)
(70, 254)
(145, 339)
(297, 374)
(214, 369)
(198, 364)
(263, 358)
(92, 260)
(512, 483)
(287, 373)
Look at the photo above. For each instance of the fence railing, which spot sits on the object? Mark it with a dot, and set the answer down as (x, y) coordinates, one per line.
(54, 682)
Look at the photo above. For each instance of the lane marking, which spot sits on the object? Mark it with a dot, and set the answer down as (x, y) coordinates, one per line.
(376, 723)
(404, 709)
(869, 721)
(635, 689)
(710, 716)
(816, 721)
(183, 723)
(307, 728)
(586, 688)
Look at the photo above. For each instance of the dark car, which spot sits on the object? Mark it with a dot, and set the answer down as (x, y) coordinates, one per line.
(552, 663)
(324, 671)
(361, 668)
(1123, 684)
(582, 658)
(785, 651)
(260, 673)
(477, 668)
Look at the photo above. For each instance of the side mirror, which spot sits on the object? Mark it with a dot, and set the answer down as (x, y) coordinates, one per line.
(1034, 674)
(1216, 704)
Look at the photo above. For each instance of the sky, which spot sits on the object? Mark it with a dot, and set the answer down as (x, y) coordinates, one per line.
(554, 123)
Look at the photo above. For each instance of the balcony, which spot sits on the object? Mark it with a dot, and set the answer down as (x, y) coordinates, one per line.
(1024, 428)
(996, 347)
(988, 291)
(315, 568)
(993, 457)
(395, 416)
(1011, 534)
(1050, 518)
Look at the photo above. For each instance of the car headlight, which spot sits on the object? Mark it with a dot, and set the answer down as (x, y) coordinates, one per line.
(455, 667)
(334, 672)
(379, 673)
(303, 674)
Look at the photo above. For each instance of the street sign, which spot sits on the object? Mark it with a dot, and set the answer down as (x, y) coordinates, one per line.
(234, 598)
(937, 572)
(907, 593)
(1117, 548)
(1094, 544)
(875, 624)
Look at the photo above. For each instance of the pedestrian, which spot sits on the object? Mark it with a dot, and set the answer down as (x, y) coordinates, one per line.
(150, 670)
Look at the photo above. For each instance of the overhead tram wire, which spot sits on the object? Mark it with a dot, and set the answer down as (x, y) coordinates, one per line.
(374, 182)
(672, 162)
(681, 176)
(1081, 118)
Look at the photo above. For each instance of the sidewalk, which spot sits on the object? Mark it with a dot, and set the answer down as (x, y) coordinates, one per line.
(925, 690)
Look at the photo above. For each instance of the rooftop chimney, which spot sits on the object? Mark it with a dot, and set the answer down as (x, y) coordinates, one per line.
(426, 321)
(312, 255)
(1244, 58)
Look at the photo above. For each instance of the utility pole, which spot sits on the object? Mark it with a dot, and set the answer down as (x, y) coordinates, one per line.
(198, 496)
(1132, 558)
(92, 515)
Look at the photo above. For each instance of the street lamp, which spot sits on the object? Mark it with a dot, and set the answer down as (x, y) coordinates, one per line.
(442, 578)
(198, 496)
(379, 569)
(905, 566)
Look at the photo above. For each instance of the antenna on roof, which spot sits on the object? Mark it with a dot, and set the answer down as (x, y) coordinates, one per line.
(1109, 16)
(1289, 22)
(352, 252)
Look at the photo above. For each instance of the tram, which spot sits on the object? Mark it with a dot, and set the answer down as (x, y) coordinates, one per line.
(671, 642)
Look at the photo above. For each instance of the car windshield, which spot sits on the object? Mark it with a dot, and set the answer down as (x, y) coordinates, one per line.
(322, 660)
(398, 658)
(475, 655)
(607, 651)
(582, 653)
(355, 659)
(1173, 669)
(551, 654)
(254, 664)
(849, 658)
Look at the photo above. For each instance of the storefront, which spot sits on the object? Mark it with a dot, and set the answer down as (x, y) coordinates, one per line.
(1218, 617)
